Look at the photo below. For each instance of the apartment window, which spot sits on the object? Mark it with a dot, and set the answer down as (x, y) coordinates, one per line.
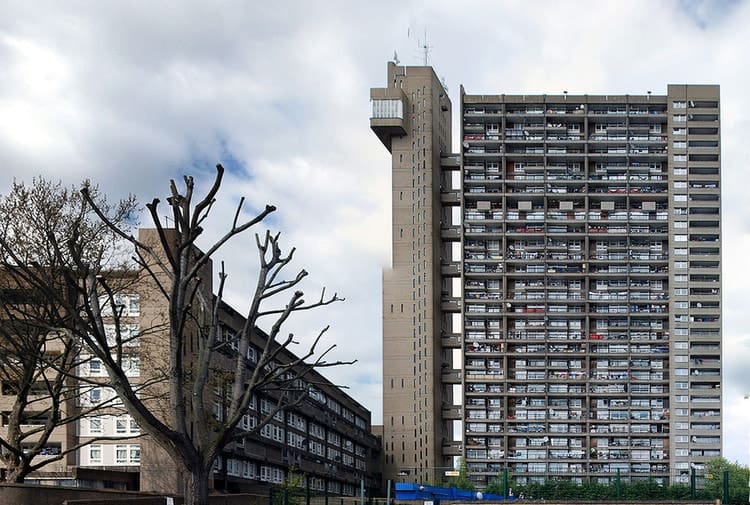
(265, 406)
(126, 304)
(680, 224)
(680, 264)
(387, 109)
(681, 359)
(95, 453)
(681, 439)
(680, 184)
(128, 334)
(681, 412)
(681, 399)
(679, 131)
(680, 251)
(132, 366)
(681, 371)
(680, 305)
(681, 278)
(248, 422)
(252, 353)
(95, 426)
(679, 157)
(680, 291)
(681, 345)
(679, 118)
(95, 395)
(126, 425)
(680, 198)
(96, 368)
(679, 104)
(680, 171)
(679, 144)
(681, 332)
(680, 238)
(128, 454)
(317, 431)
(681, 452)
(681, 385)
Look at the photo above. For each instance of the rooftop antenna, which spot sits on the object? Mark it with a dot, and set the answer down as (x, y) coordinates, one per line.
(395, 58)
(425, 47)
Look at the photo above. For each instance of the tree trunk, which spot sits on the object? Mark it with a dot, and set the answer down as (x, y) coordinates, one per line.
(16, 472)
(196, 487)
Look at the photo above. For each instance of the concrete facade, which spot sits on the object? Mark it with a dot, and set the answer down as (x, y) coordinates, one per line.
(575, 284)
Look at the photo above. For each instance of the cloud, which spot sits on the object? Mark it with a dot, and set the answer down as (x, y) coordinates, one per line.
(131, 97)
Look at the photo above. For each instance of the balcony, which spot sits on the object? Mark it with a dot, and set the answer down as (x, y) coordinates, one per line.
(387, 120)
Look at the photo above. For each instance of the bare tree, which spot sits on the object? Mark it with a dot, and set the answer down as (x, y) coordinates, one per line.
(200, 360)
(39, 355)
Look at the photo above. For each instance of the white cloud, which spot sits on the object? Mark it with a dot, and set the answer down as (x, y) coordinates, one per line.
(130, 97)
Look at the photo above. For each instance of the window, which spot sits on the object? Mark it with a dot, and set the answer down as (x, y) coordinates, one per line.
(680, 198)
(317, 431)
(680, 224)
(679, 131)
(95, 425)
(680, 171)
(128, 454)
(679, 118)
(681, 399)
(679, 144)
(96, 368)
(252, 354)
(128, 334)
(95, 395)
(131, 365)
(95, 453)
(248, 422)
(127, 304)
(680, 251)
(387, 109)
(265, 406)
(681, 385)
(681, 371)
(679, 104)
(681, 278)
(679, 157)
(680, 264)
(126, 425)
(680, 291)
(681, 345)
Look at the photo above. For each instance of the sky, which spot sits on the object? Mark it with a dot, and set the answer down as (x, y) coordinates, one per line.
(131, 94)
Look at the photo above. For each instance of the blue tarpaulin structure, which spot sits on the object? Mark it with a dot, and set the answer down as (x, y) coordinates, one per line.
(411, 491)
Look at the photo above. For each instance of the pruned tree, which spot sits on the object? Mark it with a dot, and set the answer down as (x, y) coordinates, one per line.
(201, 365)
(39, 354)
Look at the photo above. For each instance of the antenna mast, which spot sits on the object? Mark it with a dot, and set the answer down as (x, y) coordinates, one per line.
(425, 47)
